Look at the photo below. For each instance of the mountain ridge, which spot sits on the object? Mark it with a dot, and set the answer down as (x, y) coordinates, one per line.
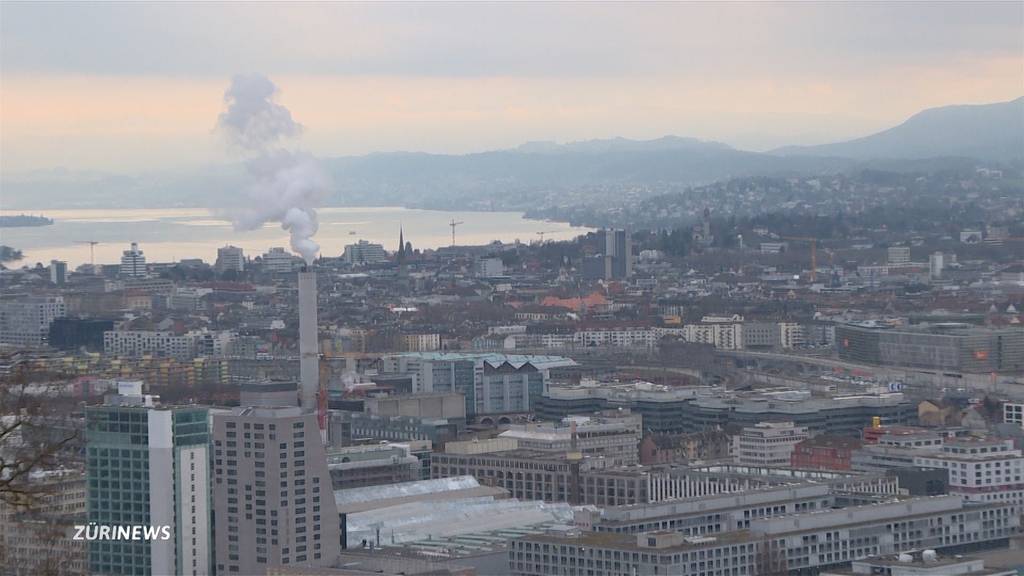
(993, 132)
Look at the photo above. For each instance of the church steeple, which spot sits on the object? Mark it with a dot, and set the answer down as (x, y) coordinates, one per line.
(401, 242)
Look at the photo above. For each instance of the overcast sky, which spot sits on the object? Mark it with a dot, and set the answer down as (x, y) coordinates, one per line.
(135, 86)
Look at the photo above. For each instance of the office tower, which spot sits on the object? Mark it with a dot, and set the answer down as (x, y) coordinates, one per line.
(25, 321)
(230, 258)
(148, 465)
(58, 272)
(133, 262)
(618, 254)
(272, 492)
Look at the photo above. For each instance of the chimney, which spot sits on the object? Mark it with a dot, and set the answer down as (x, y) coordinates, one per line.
(309, 353)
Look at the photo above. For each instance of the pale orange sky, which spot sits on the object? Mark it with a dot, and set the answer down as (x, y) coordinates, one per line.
(463, 78)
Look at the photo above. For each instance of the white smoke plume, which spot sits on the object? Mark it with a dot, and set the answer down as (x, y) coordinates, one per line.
(285, 186)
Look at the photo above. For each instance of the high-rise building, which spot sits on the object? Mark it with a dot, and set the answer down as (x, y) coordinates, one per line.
(25, 321)
(230, 258)
(133, 262)
(936, 263)
(148, 466)
(364, 252)
(272, 491)
(618, 255)
(58, 272)
(277, 260)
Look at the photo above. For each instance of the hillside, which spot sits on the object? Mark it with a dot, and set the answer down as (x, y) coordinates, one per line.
(993, 132)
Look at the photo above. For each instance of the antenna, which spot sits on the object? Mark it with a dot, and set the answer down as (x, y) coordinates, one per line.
(92, 250)
(453, 224)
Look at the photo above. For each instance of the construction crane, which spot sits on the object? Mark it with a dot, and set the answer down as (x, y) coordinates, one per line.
(453, 224)
(92, 250)
(543, 232)
(814, 253)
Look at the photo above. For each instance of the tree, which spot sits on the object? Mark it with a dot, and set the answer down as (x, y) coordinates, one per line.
(34, 435)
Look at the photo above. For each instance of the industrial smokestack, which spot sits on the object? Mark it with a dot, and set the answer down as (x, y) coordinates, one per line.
(283, 186)
(309, 353)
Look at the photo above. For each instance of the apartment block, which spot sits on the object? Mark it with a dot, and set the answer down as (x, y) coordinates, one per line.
(274, 502)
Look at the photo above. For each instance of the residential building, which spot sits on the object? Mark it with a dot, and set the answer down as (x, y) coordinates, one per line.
(363, 253)
(40, 539)
(721, 332)
(230, 258)
(272, 491)
(980, 469)
(767, 443)
(133, 263)
(1013, 413)
(623, 337)
(277, 260)
(825, 452)
(490, 268)
(897, 255)
(25, 320)
(58, 272)
(148, 465)
(791, 335)
(134, 343)
(420, 342)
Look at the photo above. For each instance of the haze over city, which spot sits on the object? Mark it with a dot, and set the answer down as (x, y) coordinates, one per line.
(125, 87)
(511, 289)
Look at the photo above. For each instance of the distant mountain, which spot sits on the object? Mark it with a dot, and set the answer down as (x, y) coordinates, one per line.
(608, 172)
(621, 145)
(515, 178)
(993, 132)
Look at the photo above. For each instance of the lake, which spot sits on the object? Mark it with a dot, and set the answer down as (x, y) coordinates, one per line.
(171, 234)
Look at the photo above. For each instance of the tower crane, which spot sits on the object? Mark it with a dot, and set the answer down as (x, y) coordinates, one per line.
(814, 252)
(453, 224)
(543, 232)
(92, 250)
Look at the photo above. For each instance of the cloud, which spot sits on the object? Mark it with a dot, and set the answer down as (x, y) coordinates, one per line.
(505, 39)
